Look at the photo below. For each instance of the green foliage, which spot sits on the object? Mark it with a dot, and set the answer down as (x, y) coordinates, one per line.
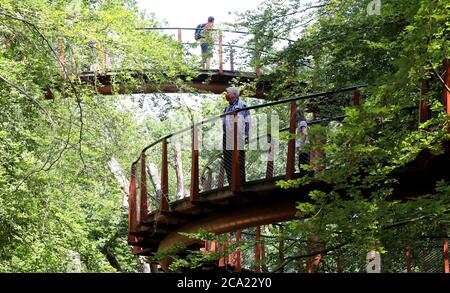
(396, 53)
(57, 194)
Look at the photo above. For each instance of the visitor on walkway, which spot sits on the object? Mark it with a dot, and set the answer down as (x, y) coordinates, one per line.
(243, 124)
(204, 35)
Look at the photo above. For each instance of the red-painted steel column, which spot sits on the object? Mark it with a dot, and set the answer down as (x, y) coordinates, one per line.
(143, 187)
(238, 266)
(258, 250)
(446, 264)
(408, 258)
(290, 162)
(220, 53)
(213, 246)
(132, 204)
(194, 164)
(230, 258)
(223, 247)
(446, 93)
(356, 97)
(164, 202)
(179, 36)
(235, 168)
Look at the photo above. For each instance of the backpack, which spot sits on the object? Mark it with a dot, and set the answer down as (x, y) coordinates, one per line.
(200, 31)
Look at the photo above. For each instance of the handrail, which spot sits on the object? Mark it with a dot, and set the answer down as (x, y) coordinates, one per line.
(213, 29)
(205, 61)
(231, 46)
(294, 99)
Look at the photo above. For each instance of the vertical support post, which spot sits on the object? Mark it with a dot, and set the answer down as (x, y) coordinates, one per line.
(222, 259)
(356, 97)
(446, 263)
(446, 93)
(220, 53)
(290, 162)
(179, 36)
(235, 168)
(230, 257)
(238, 266)
(62, 58)
(408, 258)
(143, 187)
(231, 59)
(164, 201)
(132, 204)
(258, 250)
(281, 249)
(213, 246)
(194, 164)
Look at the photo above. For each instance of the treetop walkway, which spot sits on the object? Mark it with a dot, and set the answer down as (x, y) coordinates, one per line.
(159, 209)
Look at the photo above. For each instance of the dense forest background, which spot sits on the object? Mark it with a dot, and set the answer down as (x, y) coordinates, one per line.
(65, 150)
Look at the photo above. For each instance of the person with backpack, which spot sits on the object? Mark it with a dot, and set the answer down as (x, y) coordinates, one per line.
(204, 36)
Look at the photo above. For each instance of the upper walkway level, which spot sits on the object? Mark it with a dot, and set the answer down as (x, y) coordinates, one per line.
(231, 63)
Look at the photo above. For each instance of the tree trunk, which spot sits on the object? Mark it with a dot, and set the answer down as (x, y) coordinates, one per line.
(122, 180)
(153, 172)
(178, 170)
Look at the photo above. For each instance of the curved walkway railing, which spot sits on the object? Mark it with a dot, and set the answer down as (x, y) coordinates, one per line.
(197, 152)
(256, 52)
